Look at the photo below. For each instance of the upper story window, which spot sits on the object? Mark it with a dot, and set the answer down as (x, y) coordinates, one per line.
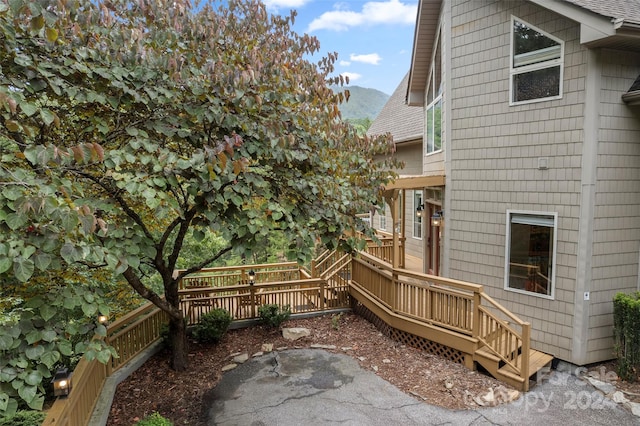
(536, 64)
(433, 126)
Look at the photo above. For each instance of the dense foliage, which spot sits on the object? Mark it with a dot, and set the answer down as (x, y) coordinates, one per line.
(126, 126)
(212, 326)
(626, 327)
(273, 315)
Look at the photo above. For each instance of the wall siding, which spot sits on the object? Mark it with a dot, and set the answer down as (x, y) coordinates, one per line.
(494, 160)
(617, 205)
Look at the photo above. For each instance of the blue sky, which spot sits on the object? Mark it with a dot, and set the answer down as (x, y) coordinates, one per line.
(373, 38)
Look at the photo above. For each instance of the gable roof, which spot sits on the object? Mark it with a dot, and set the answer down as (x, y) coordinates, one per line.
(611, 23)
(617, 10)
(632, 97)
(404, 122)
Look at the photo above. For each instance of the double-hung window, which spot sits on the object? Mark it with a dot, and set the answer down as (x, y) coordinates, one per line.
(536, 64)
(531, 252)
(433, 126)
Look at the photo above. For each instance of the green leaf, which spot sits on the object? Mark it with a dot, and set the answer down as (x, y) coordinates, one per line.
(50, 358)
(47, 312)
(47, 116)
(28, 109)
(27, 393)
(5, 264)
(41, 261)
(33, 337)
(23, 269)
(65, 347)
(37, 403)
(33, 378)
(34, 352)
(15, 220)
(49, 335)
(5, 342)
(89, 309)
(103, 356)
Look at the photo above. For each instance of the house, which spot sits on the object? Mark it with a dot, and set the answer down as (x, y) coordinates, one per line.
(531, 150)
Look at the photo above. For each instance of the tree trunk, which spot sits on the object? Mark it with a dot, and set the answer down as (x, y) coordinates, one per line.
(179, 346)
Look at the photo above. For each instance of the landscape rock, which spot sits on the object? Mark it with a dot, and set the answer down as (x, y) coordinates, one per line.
(241, 359)
(318, 346)
(603, 387)
(619, 398)
(295, 333)
(257, 354)
(229, 367)
(267, 347)
(634, 407)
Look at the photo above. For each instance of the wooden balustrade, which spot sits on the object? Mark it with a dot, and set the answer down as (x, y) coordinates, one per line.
(456, 306)
(449, 304)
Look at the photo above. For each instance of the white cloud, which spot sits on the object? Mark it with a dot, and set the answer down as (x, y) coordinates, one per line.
(352, 76)
(345, 63)
(371, 58)
(290, 4)
(373, 12)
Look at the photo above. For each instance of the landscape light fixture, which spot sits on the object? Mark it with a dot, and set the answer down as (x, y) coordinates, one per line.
(62, 382)
(252, 277)
(102, 319)
(436, 219)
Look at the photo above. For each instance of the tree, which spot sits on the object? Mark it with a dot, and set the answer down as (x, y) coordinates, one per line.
(127, 125)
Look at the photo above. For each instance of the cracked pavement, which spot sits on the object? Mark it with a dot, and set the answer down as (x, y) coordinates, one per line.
(316, 387)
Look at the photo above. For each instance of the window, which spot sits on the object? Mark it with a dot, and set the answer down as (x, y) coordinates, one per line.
(417, 219)
(531, 252)
(433, 127)
(383, 219)
(536, 64)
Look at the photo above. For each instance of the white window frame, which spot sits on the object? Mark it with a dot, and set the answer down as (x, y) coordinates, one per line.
(435, 71)
(383, 219)
(417, 201)
(530, 63)
(552, 278)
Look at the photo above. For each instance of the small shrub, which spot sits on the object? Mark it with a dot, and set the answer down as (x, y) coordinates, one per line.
(23, 418)
(154, 419)
(335, 321)
(273, 316)
(626, 329)
(212, 326)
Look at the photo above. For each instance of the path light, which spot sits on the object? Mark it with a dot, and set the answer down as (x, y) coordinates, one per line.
(62, 382)
(252, 277)
(436, 219)
(102, 319)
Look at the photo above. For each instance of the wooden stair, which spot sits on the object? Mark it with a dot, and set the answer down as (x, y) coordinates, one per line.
(502, 371)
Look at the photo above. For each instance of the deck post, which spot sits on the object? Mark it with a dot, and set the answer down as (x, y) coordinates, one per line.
(252, 292)
(477, 299)
(526, 345)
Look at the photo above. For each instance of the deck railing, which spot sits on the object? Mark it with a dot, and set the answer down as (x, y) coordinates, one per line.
(384, 249)
(455, 305)
(225, 287)
(129, 335)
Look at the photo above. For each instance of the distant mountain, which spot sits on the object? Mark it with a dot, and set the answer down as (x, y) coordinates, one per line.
(363, 102)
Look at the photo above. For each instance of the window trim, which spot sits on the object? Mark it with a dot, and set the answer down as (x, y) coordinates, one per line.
(416, 195)
(507, 255)
(435, 76)
(514, 71)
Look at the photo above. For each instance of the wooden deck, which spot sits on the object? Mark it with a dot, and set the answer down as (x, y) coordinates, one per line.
(451, 313)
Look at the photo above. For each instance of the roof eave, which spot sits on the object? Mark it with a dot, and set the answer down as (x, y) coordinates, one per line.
(426, 27)
(632, 98)
(595, 30)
